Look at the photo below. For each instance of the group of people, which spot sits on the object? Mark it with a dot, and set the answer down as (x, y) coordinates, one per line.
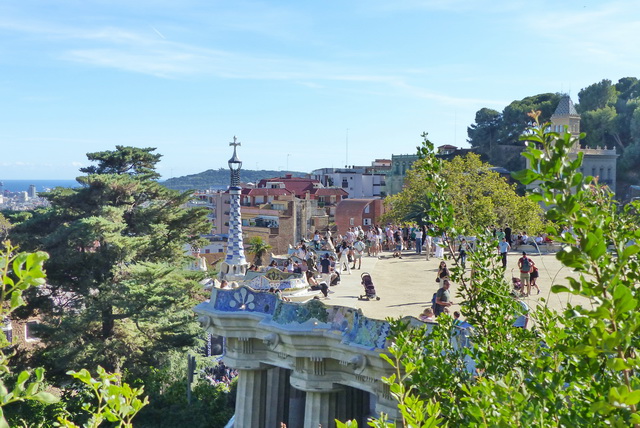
(220, 374)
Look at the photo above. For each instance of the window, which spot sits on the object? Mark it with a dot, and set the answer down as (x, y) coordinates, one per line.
(30, 331)
(7, 329)
(351, 222)
(345, 183)
(206, 251)
(366, 222)
(367, 209)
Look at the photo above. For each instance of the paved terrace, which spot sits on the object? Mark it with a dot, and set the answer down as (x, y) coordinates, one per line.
(405, 286)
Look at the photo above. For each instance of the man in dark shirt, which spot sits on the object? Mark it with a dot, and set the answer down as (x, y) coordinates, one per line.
(443, 298)
(325, 269)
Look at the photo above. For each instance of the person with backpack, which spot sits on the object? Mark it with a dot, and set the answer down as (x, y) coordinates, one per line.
(443, 298)
(525, 264)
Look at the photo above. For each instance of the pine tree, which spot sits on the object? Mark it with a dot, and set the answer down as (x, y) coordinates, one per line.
(118, 293)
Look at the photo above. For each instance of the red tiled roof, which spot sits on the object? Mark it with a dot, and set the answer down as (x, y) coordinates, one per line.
(299, 186)
(265, 191)
(329, 191)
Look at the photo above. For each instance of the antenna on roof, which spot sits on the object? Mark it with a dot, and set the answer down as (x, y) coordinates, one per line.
(346, 159)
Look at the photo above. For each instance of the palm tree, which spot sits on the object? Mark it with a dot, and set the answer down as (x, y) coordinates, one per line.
(258, 247)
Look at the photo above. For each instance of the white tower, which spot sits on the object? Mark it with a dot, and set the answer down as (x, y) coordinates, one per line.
(235, 264)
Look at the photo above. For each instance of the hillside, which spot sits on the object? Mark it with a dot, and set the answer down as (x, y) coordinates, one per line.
(219, 179)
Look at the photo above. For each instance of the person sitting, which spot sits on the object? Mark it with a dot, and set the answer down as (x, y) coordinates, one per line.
(427, 315)
(315, 285)
(296, 268)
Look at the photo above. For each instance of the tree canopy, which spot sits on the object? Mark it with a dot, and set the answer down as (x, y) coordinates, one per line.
(609, 113)
(118, 294)
(480, 197)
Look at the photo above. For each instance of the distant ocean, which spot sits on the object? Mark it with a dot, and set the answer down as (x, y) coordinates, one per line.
(41, 185)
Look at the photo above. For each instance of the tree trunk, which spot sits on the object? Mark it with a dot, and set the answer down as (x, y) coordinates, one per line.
(107, 322)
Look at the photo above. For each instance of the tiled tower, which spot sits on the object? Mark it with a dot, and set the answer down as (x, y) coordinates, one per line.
(235, 264)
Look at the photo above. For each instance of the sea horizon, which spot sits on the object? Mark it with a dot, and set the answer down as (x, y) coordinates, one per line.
(41, 185)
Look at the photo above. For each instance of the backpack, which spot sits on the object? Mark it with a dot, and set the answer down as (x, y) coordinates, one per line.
(526, 265)
(433, 301)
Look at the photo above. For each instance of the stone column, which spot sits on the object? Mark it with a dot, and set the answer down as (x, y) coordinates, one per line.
(277, 397)
(320, 409)
(297, 399)
(250, 399)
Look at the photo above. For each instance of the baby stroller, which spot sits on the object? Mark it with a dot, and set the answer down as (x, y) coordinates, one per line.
(369, 288)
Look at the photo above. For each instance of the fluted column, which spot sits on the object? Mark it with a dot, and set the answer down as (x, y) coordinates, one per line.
(297, 399)
(277, 397)
(320, 409)
(250, 399)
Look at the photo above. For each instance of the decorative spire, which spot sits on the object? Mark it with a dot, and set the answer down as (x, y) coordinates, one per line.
(235, 164)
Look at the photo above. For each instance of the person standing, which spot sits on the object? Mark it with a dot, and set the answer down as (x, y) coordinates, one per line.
(418, 239)
(358, 251)
(507, 233)
(325, 269)
(462, 252)
(525, 264)
(443, 297)
(534, 277)
(427, 244)
(503, 249)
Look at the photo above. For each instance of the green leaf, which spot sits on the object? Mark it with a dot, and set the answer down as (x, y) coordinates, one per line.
(618, 364)
(3, 421)
(560, 289)
(633, 398)
(525, 176)
(45, 397)
(16, 300)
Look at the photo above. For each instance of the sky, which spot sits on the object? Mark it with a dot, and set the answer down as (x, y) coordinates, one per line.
(302, 84)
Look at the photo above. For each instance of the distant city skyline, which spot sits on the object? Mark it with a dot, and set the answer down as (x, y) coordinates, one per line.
(303, 85)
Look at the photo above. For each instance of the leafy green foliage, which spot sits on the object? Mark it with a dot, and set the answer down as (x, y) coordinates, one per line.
(119, 294)
(579, 367)
(115, 402)
(478, 196)
(258, 247)
(21, 271)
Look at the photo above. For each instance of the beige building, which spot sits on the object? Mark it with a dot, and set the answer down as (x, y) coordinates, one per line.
(598, 162)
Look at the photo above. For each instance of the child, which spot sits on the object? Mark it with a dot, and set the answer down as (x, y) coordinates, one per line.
(533, 278)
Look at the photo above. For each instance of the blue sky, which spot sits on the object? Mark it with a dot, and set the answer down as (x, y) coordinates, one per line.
(303, 84)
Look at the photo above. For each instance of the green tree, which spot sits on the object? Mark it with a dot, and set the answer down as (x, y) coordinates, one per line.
(479, 197)
(596, 96)
(118, 295)
(258, 247)
(4, 227)
(483, 134)
(492, 131)
(603, 127)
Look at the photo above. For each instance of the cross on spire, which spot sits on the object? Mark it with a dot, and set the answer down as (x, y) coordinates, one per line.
(235, 143)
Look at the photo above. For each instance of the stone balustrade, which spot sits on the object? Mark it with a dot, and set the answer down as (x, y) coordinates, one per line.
(301, 364)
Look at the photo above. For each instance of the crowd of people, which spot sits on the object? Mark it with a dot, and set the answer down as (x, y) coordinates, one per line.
(220, 374)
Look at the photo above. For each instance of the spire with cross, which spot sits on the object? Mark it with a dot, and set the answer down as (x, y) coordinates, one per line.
(235, 163)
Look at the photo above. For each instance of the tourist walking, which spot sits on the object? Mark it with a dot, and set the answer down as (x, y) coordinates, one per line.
(462, 253)
(525, 264)
(503, 249)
